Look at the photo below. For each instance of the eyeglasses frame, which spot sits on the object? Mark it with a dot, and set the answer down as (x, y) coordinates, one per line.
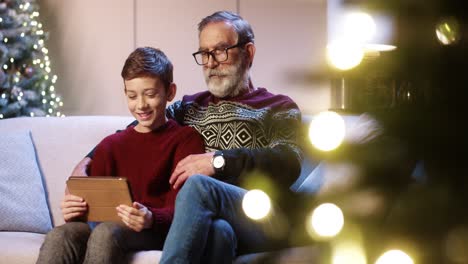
(210, 53)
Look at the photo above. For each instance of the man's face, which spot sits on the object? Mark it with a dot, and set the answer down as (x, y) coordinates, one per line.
(146, 99)
(227, 78)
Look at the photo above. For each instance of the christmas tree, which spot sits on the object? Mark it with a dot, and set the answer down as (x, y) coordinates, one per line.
(27, 87)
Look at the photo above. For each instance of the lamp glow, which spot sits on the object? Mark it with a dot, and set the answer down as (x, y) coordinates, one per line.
(394, 256)
(327, 131)
(327, 220)
(359, 26)
(345, 55)
(256, 204)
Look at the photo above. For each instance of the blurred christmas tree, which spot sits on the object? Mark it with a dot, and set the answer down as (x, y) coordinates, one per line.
(26, 84)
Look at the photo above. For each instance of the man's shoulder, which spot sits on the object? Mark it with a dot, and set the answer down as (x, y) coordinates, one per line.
(265, 99)
(197, 97)
(267, 94)
(179, 107)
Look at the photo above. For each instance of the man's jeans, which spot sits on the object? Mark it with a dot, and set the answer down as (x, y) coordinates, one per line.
(210, 226)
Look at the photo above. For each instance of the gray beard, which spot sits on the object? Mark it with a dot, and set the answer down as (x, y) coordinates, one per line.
(236, 81)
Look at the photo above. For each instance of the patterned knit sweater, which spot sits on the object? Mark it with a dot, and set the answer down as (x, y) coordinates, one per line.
(256, 130)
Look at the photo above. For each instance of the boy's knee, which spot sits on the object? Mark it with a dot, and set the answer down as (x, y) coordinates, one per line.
(105, 231)
(74, 231)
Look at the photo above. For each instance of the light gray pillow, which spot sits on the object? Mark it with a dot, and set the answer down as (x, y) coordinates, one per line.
(23, 203)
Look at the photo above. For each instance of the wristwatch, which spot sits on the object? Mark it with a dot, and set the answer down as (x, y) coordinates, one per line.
(218, 162)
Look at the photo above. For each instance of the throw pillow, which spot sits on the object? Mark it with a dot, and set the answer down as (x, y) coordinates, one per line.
(23, 205)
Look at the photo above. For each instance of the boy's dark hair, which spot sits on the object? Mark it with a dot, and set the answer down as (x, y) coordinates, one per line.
(148, 62)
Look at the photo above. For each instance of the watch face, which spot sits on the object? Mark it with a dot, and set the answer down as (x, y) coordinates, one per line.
(218, 162)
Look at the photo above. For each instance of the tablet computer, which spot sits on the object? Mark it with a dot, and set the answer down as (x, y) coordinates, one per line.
(102, 194)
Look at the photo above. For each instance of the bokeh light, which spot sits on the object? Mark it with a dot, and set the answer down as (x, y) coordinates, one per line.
(348, 252)
(344, 55)
(327, 131)
(394, 256)
(327, 220)
(359, 26)
(259, 180)
(256, 204)
(448, 31)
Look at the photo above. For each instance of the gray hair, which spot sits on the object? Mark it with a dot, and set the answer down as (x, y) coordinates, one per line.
(241, 26)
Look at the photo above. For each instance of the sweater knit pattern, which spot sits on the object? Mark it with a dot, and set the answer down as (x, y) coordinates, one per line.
(255, 120)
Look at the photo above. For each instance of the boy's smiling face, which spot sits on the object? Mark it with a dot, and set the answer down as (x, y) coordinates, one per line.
(146, 99)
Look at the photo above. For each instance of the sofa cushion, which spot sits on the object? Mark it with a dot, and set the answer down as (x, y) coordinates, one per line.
(146, 256)
(60, 142)
(20, 247)
(24, 205)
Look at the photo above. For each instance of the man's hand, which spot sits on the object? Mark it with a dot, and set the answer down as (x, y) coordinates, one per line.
(73, 207)
(81, 168)
(137, 218)
(191, 165)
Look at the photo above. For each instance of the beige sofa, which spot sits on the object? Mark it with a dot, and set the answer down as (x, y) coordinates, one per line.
(59, 144)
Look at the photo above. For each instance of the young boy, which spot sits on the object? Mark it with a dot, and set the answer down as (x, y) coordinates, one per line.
(146, 154)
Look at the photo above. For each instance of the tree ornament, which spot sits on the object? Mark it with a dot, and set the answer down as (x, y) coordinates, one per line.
(29, 72)
(16, 91)
(31, 95)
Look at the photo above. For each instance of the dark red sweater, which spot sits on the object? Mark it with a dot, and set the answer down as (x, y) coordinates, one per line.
(147, 161)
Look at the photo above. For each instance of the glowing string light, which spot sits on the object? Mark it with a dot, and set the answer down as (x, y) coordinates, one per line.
(394, 256)
(256, 204)
(327, 220)
(327, 130)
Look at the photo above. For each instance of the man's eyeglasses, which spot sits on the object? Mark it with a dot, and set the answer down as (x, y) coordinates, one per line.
(219, 55)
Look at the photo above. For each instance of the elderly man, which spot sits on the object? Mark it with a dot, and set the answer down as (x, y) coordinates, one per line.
(245, 129)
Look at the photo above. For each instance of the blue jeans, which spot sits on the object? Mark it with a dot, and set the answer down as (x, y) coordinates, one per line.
(209, 225)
